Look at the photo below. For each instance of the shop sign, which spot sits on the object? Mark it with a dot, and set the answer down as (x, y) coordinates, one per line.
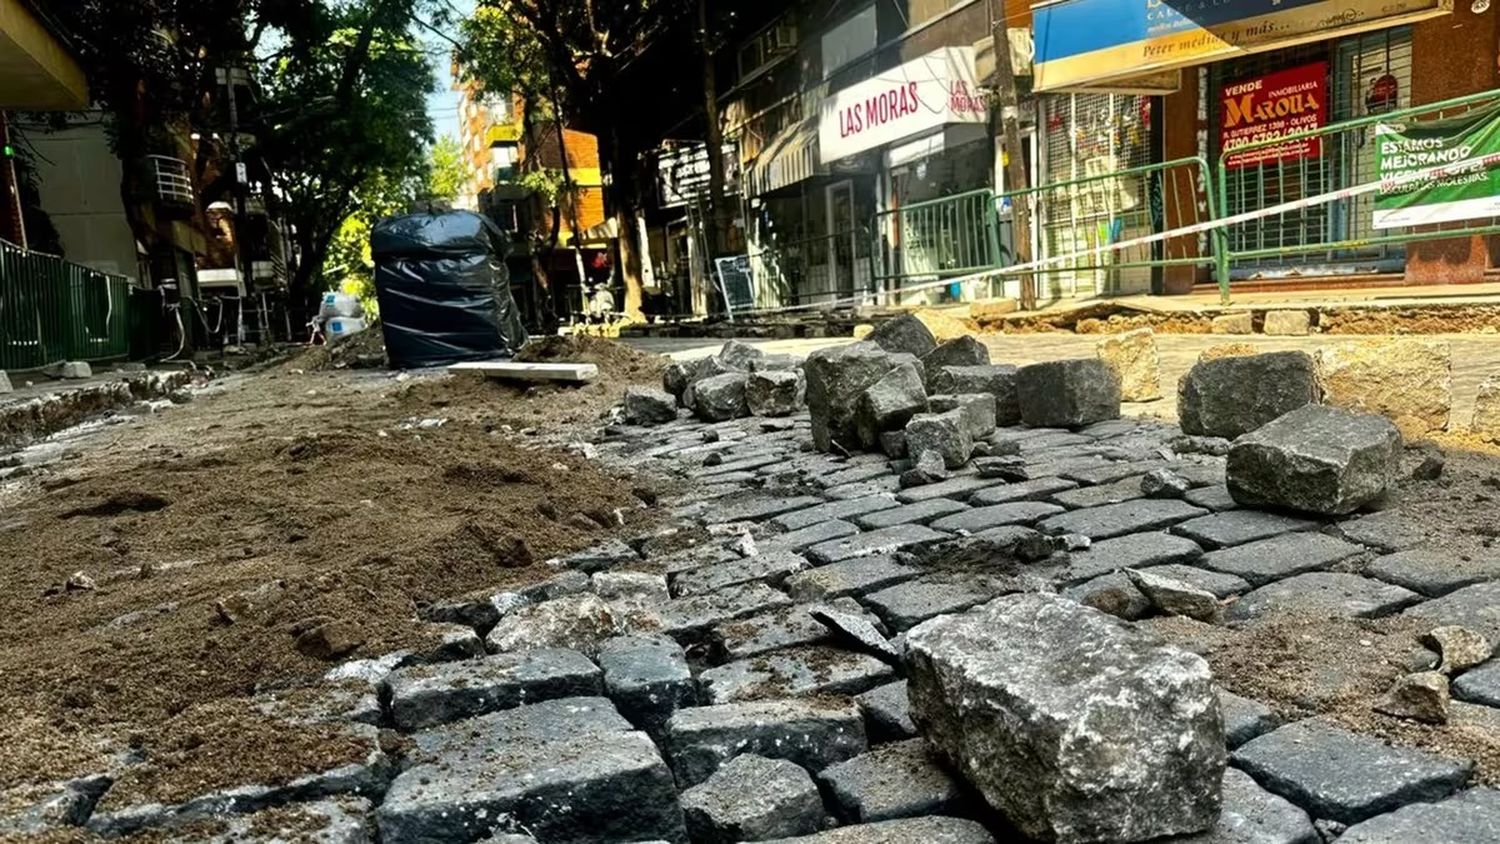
(1086, 43)
(1273, 106)
(1402, 149)
(917, 97)
(682, 172)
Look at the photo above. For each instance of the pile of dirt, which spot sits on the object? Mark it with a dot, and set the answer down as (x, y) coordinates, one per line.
(365, 350)
(616, 361)
(246, 543)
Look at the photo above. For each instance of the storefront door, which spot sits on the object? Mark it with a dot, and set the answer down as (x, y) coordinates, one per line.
(841, 231)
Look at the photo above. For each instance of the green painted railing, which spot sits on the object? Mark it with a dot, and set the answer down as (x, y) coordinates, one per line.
(938, 238)
(53, 310)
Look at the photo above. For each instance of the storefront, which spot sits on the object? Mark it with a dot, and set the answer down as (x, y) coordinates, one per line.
(1240, 73)
(929, 126)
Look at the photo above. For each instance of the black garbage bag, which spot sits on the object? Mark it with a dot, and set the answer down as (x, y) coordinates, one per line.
(443, 288)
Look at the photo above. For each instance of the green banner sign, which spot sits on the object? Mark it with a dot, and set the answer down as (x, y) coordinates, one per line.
(1405, 148)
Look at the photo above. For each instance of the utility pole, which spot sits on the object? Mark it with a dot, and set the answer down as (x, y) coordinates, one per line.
(241, 179)
(1010, 144)
(713, 138)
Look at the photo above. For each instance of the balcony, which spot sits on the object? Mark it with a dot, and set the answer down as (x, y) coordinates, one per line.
(170, 184)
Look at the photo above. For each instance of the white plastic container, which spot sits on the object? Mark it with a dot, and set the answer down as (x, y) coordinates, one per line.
(340, 327)
(336, 304)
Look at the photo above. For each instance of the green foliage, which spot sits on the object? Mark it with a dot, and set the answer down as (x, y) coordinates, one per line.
(446, 170)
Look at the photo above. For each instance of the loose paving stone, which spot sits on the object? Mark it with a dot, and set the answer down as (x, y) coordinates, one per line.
(551, 720)
(1388, 531)
(424, 695)
(997, 515)
(905, 333)
(1459, 648)
(960, 351)
(1031, 490)
(854, 631)
(1334, 594)
(906, 605)
(1151, 759)
(1215, 497)
(797, 540)
(1125, 489)
(1244, 719)
(775, 630)
(1175, 597)
(883, 541)
(846, 509)
(1231, 396)
(575, 622)
(1236, 527)
(640, 586)
(599, 557)
(1132, 551)
(999, 380)
(693, 615)
(853, 577)
(1164, 483)
(902, 780)
(771, 567)
(1471, 817)
(736, 469)
(807, 670)
(920, 513)
(813, 733)
(889, 403)
(1481, 685)
(1110, 471)
(31, 811)
(1280, 556)
(1119, 519)
(1068, 393)
(1252, 815)
(1221, 585)
(752, 798)
(949, 434)
(776, 392)
(648, 679)
(1132, 355)
(649, 406)
(599, 787)
(1345, 776)
(977, 409)
(1433, 572)
(1113, 594)
(757, 506)
(720, 397)
(887, 712)
(1476, 607)
(959, 489)
(1315, 459)
(836, 379)
(854, 474)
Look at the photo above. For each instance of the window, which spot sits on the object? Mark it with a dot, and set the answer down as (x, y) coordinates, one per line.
(768, 45)
(849, 40)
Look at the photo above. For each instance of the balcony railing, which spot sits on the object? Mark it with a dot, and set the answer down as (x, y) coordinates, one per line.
(173, 183)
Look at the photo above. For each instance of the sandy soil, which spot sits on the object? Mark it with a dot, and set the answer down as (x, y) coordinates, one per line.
(249, 541)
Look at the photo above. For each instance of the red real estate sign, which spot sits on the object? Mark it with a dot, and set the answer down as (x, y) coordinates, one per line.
(1274, 106)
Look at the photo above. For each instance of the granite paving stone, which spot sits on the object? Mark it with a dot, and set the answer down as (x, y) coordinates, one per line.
(1132, 551)
(768, 567)
(1347, 777)
(771, 631)
(920, 513)
(752, 798)
(1111, 472)
(1119, 519)
(1480, 685)
(425, 695)
(906, 605)
(1236, 527)
(757, 506)
(798, 671)
(1471, 817)
(887, 484)
(934, 829)
(812, 732)
(1036, 489)
(1113, 594)
(797, 540)
(845, 509)
(693, 615)
(887, 712)
(1280, 556)
(1220, 584)
(1244, 718)
(1323, 593)
(1476, 607)
(852, 577)
(959, 489)
(1434, 572)
(900, 780)
(882, 541)
(1252, 815)
(648, 679)
(1115, 492)
(1387, 531)
(1215, 497)
(854, 475)
(997, 515)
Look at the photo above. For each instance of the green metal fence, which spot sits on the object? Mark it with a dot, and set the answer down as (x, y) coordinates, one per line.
(936, 239)
(814, 270)
(1340, 234)
(53, 310)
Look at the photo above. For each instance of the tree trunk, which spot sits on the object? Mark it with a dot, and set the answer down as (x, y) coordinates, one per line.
(713, 138)
(623, 204)
(1010, 138)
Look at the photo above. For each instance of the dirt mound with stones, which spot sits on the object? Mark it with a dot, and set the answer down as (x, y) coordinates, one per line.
(247, 543)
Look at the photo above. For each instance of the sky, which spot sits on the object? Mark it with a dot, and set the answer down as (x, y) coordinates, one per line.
(442, 104)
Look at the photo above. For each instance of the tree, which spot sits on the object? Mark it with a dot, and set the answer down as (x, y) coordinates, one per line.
(582, 48)
(446, 170)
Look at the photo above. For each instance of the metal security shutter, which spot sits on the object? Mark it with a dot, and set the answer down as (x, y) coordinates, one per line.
(1355, 66)
(1089, 135)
